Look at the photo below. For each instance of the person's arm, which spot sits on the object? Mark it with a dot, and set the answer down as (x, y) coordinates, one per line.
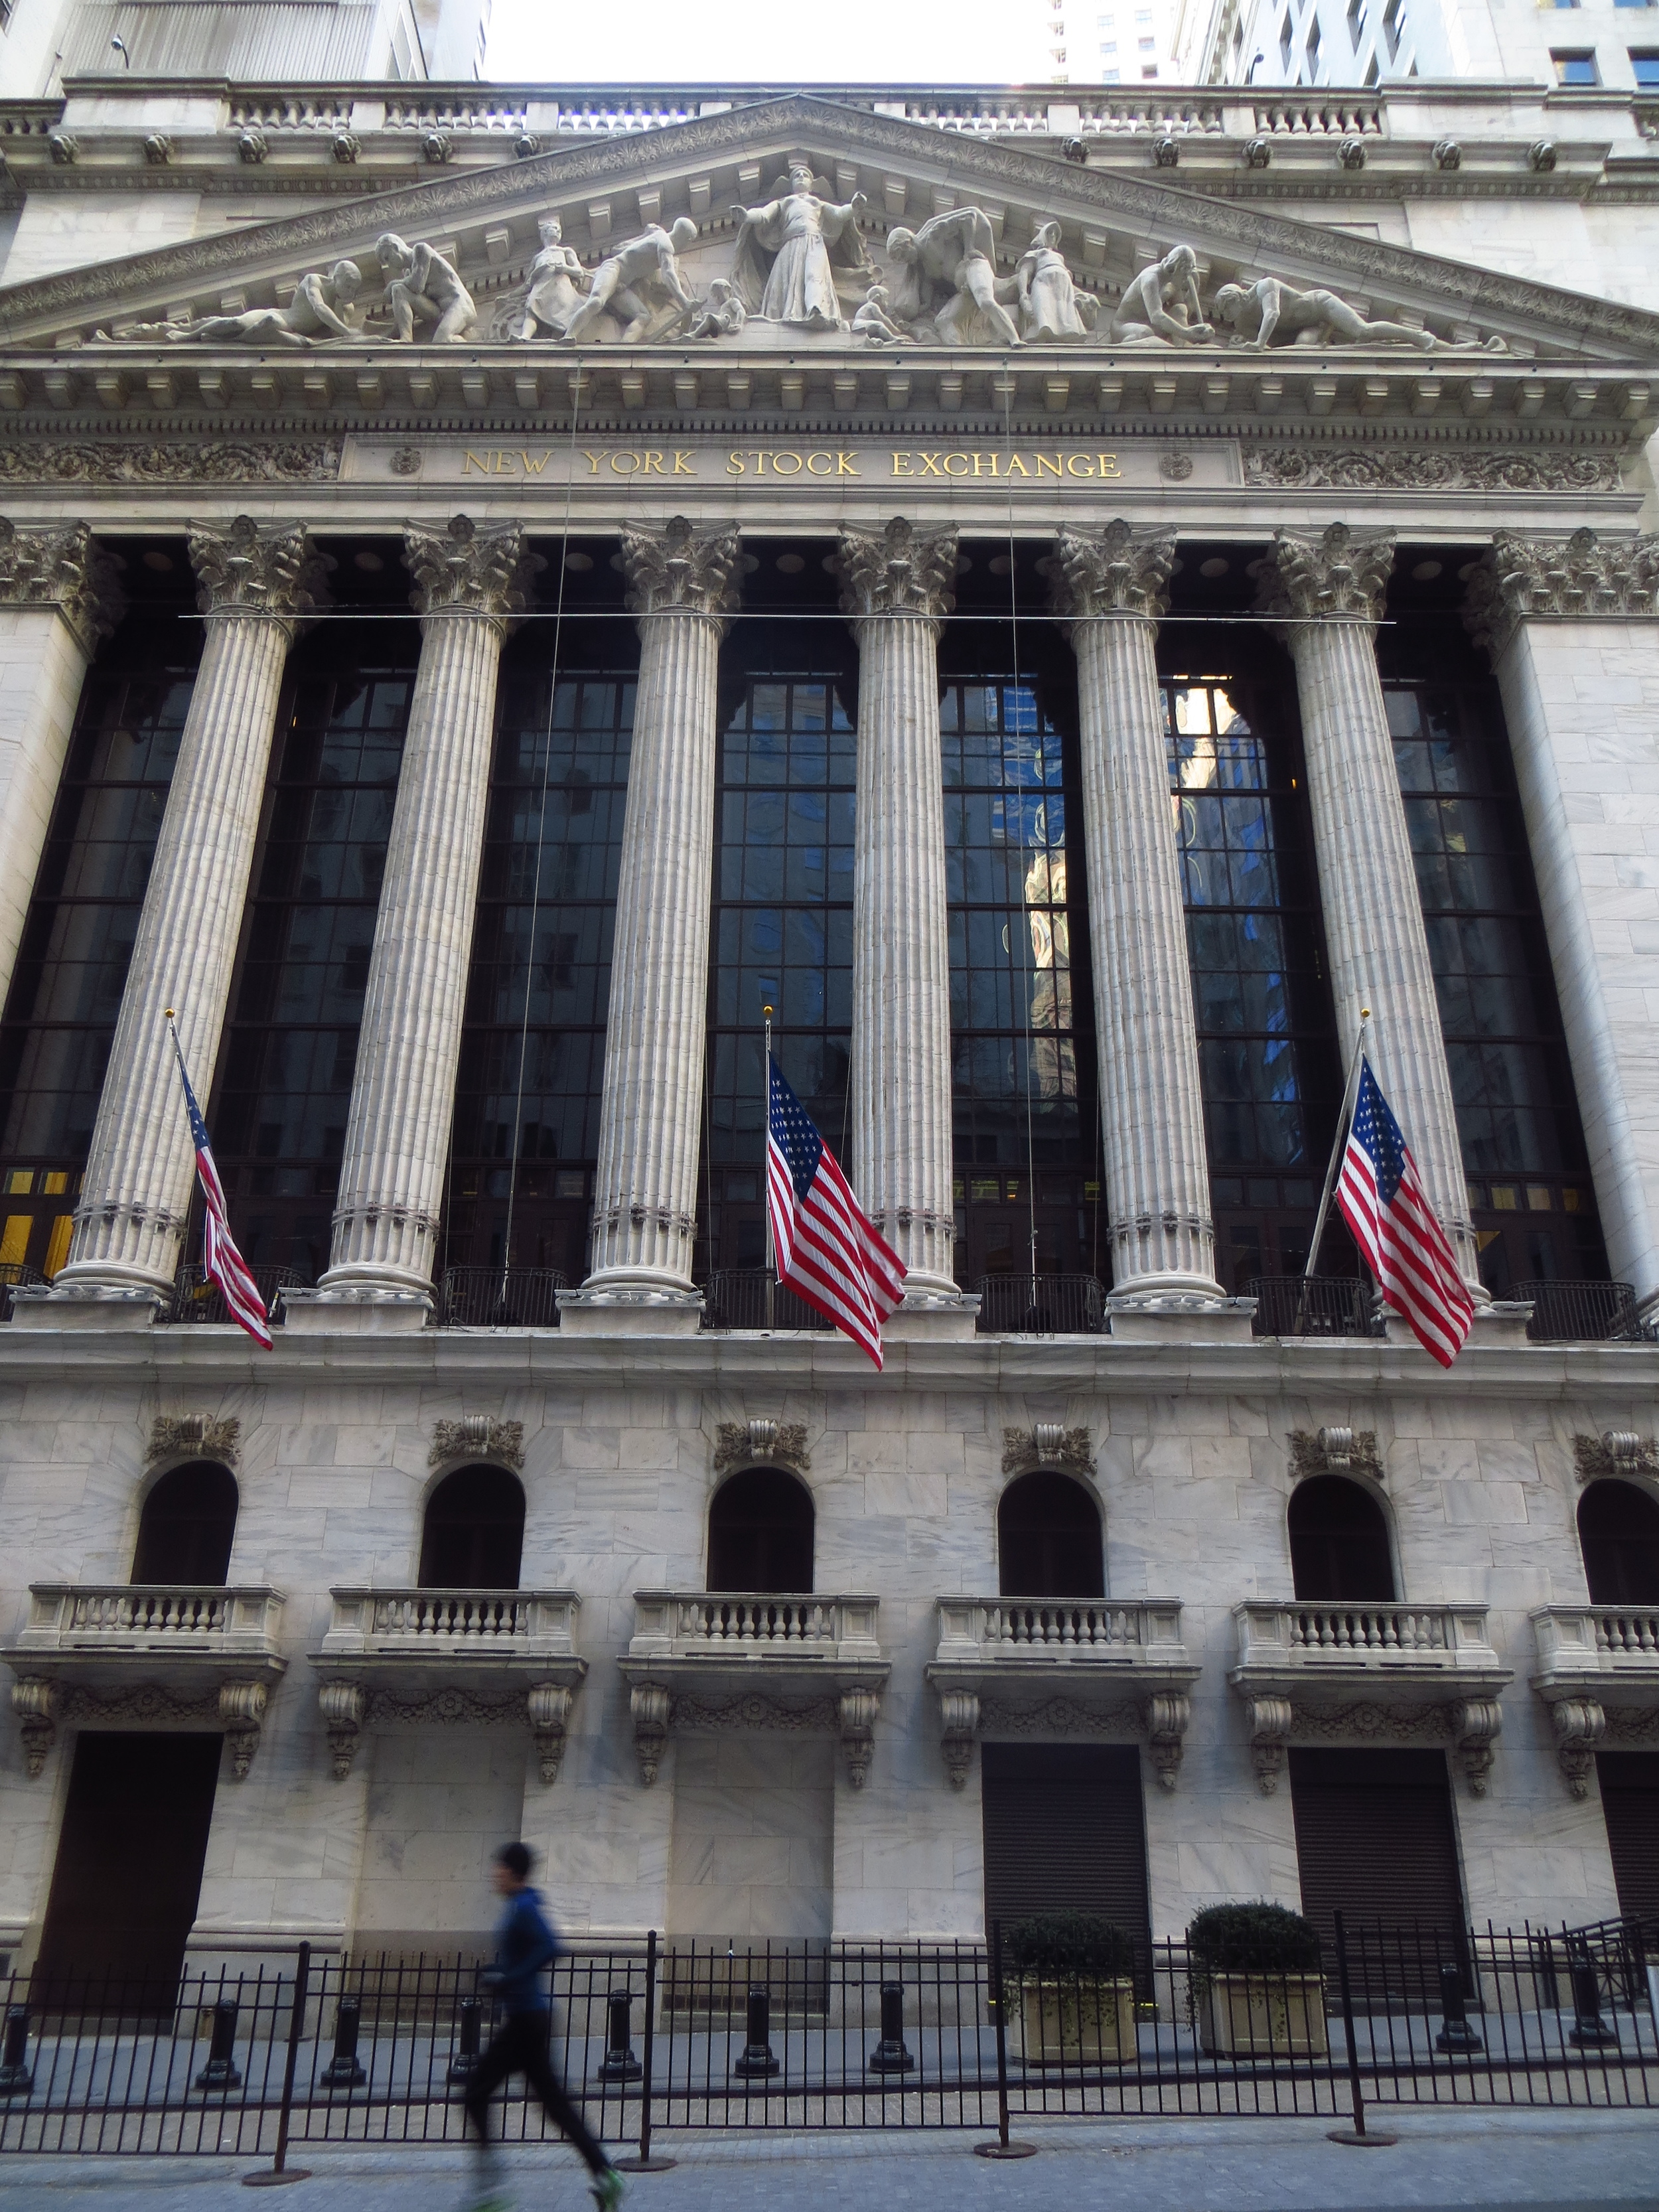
(1271, 300)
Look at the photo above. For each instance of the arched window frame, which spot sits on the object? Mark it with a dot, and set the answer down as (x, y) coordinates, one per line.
(456, 1463)
(1090, 1488)
(1634, 1477)
(154, 1477)
(1379, 1497)
(761, 1466)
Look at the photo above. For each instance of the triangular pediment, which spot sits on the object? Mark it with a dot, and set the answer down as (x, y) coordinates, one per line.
(1112, 223)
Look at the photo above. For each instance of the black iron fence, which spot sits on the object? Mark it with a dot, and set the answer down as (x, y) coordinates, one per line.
(1313, 1305)
(197, 1297)
(752, 1298)
(1582, 1313)
(1040, 1305)
(12, 1272)
(500, 1298)
(686, 2035)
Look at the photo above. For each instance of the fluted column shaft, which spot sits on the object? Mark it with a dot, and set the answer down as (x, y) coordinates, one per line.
(469, 584)
(1374, 932)
(896, 585)
(1110, 590)
(256, 584)
(681, 585)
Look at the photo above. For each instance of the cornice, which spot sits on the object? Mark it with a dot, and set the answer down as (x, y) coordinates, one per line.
(1160, 210)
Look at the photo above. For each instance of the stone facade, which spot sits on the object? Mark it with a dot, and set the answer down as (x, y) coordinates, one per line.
(199, 393)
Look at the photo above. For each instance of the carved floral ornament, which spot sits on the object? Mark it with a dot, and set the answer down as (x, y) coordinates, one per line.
(236, 1706)
(61, 567)
(478, 1436)
(1047, 1444)
(1572, 578)
(1470, 1726)
(193, 1436)
(760, 1443)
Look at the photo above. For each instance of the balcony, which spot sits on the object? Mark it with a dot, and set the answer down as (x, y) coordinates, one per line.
(171, 1655)
(475, 1657)
(1584, 1313)
(1598, 1672)
(1313, 1305)
(745, 1659)
(1042, 1305)
(748, 1299)
(1003, 1661)
(500, 1298)
(1367, 1674)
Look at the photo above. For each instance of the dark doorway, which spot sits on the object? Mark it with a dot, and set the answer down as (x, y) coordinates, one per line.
(1630, 1805)
(760, 1534)
(1338, 1543)
(1064, 1829)
(473, 1538)
(186, 1528)
(1375, 1840)
(129, 1871)
(1619, 1531)
(1048, 1540)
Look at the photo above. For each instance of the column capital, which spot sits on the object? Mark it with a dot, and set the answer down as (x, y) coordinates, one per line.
(1339, 574)
(1118, 570)
(249, 567)
(898, 570)
(679, 568)
(466, 569)
(59, 565)
(1578, 576)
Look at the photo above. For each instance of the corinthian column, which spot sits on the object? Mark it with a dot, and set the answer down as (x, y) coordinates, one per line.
(681, 586)
(1109, 591)
(256, 582)
(58, 597)
(896, 585)
(1570, 626)
(469, 584)
(1332, 587)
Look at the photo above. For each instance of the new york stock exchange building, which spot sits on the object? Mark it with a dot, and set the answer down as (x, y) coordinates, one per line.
(1067, 607)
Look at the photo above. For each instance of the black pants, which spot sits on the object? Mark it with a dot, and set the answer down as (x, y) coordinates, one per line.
(519, 2046)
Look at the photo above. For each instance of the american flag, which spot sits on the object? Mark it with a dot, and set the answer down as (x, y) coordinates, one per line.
(1393, 1225)
(221, 1261)
(828, 1249)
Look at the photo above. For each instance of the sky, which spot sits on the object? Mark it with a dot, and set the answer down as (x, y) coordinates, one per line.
(742, 42)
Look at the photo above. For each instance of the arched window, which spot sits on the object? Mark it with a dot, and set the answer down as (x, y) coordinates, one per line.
(474, 1533)
(1049, 1539)
(1619, 1531)
(186, 1528)
(1339, 1543)
(760, 1533)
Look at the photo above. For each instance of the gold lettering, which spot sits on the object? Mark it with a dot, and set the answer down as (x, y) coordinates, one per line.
(846, 464)
(479, 461)
(533, 468)
(593, 461)
(1080, 464)
(930, 466)
(501, 464)
(633, 468)
(779, 470)
(653, 465)
(1109, 466)
(734, 465)
(683, 465)
(825, 471)
(1049, 464)
(979, 471)
(1015, 462)
(962, 471)
(902, 465)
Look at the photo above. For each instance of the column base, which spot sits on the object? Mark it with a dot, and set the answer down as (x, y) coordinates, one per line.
(84, 1305)
(1173, 1317)
(356, 1309)
(629, 1310)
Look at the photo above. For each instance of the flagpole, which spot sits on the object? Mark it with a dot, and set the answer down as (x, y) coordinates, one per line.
(766, 1202)
(1343, 1118)
(184, 1077)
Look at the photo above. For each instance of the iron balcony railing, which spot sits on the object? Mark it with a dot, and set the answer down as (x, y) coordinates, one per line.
(1042, 1305)
(12, 1272)
(740, 1299)
(500, 1298)
(1582, 1313)
(196, 1297)
(1313, 1305)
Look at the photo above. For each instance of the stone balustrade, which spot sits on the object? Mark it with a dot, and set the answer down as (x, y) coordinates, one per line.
(121, 1620)
(1314, 1640)
(758, 1629)
(467, 1625)
(1079, 1661)
(1598, 1672)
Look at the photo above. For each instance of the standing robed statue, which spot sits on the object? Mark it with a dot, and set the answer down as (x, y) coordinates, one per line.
(789, 251)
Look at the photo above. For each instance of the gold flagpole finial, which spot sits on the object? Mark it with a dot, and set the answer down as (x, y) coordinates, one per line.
(167, 1012)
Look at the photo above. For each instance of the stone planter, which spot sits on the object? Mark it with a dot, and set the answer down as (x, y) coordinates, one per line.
(1069, 2021)
(1263, 2015)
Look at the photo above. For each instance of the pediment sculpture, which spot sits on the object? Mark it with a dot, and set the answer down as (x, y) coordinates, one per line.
(789, 248)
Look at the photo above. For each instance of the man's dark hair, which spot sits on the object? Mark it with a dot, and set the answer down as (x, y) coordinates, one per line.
(516, 1857)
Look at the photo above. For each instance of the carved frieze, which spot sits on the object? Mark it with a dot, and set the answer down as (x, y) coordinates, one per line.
(480, 1436)
(171, 461)
(61, 567)
(1433, 468)
(199, 1436)
(236, 1706)
(349, 1708)
(1116, 570)
(1575, 577)
(761, 1442)
(1469, 1725)
(1339, 575)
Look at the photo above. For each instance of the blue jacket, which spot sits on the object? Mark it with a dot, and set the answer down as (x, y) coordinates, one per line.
(525, 1947)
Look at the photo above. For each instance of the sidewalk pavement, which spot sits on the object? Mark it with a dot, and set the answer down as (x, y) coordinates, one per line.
(1452, 2161)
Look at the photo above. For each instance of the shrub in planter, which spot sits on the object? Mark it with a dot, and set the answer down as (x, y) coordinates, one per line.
(1255, 1981)
(1073, 1974)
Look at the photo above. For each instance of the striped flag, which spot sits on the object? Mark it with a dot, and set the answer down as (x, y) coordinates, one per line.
(828, 1249)
(1395, 1227)
(221, 1261)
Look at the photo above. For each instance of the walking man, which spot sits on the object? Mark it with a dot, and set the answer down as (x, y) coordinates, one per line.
(525, 1947)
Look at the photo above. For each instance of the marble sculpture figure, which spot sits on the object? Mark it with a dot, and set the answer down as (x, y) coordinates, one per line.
(723, 313)
(1270, 312)
(323, 308)
(556, 283)
(421, 287)
(640, 284)
(874, 323)
(1160, 306)
(784, 265)
(1050, 306)
(947, 275)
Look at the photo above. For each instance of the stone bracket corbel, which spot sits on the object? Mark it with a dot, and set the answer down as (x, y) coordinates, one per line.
(1579, 1724)
(858, 1710)
(1168, 1715)
(343, 1705)
(959, 1711)
(1475, 1724)
(34, 1701)
(649, 1706)
(242, 1708)
(1269, 1720)
(549, 1707)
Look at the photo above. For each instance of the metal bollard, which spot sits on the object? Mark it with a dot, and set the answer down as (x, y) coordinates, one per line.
(889, 2055)
(16, 2074)
(1588, 2029)
(464, 2064)
(344, 2070)
(619, 2064)
(1455, 2032)
(221, 2071)
(757, 2058)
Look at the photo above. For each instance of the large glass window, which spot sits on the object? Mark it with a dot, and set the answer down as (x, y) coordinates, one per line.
(1523, 1149)
(290, 1051)
(1259, 994)
(1026, 1150)
(533, 1055)
(77, 938)
(782, 933)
